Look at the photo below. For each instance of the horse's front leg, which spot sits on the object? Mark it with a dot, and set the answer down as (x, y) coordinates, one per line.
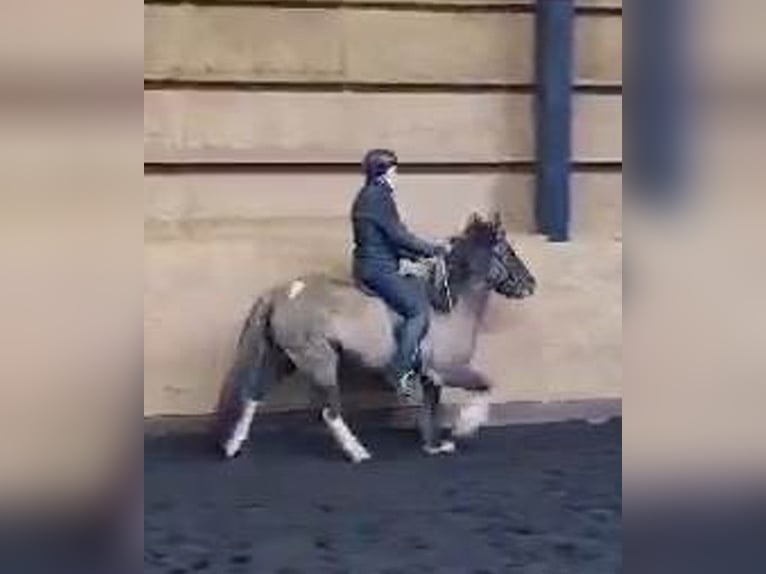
(430, 421)
(475, 413)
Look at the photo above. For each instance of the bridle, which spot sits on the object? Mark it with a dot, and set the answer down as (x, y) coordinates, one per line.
(498, 275)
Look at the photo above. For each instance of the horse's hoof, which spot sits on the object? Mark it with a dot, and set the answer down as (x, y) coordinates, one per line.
(231, 449)
(444, 447)
(361, 457)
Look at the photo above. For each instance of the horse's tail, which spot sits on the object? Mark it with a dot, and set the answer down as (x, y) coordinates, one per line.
(255, 339)
(251, 373)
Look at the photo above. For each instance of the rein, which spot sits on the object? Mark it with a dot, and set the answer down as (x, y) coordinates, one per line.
(443, 271)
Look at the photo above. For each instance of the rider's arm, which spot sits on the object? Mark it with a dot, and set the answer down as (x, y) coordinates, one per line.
(409, 245)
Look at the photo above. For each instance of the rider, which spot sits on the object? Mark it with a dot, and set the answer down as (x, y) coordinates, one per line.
(380, 241)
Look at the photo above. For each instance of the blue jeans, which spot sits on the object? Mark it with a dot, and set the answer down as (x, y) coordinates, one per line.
(407, 297)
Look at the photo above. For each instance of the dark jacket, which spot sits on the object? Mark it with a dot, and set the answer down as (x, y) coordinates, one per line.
(380, 238)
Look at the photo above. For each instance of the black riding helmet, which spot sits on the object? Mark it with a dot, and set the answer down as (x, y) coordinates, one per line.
(377, 162)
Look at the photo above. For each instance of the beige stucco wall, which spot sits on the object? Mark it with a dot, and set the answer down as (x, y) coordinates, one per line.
(215, 238)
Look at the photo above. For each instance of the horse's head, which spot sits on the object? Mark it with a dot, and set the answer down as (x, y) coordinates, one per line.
(483, 254)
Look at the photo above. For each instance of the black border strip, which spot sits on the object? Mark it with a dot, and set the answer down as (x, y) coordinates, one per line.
(595, 411)
(168, 168)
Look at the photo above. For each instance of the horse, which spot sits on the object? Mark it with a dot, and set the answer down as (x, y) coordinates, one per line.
(310, 324)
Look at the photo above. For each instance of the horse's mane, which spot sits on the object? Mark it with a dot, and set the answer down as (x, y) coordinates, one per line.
(479, 233)
(477, 240)
(472, 246)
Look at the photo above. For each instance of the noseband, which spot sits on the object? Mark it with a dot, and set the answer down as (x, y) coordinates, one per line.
(498, 275)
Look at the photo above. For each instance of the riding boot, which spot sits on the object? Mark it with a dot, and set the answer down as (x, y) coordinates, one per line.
(404, 370)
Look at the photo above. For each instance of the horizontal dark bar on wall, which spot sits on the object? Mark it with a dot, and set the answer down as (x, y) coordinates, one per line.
(366, 87)
(611, 11)
(318, 87)
(596, 167)
(598, 88)
(338, 167)
(351, 167)
(403, 6)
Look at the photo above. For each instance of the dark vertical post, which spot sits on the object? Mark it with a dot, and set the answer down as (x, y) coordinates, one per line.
(554, 45)
(656, 76)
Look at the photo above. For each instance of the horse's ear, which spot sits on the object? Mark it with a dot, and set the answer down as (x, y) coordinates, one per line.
(473, 220)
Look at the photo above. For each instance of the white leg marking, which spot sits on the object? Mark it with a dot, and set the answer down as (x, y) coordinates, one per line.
(445, 447)
(472, 416)
(296, 288)
(241, 430)
(599, 420)
(345, 438)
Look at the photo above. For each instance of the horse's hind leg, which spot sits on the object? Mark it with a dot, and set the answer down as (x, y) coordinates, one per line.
(319, 362)
(333, 418)
(236, 439)
(248, 394)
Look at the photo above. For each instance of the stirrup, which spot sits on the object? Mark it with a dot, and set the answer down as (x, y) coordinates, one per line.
(407, 386)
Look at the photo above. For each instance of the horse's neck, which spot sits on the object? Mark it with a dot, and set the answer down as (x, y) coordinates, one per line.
(473, 301)
(469, 311)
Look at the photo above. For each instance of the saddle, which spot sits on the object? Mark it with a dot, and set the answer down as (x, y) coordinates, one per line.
(431, 276)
